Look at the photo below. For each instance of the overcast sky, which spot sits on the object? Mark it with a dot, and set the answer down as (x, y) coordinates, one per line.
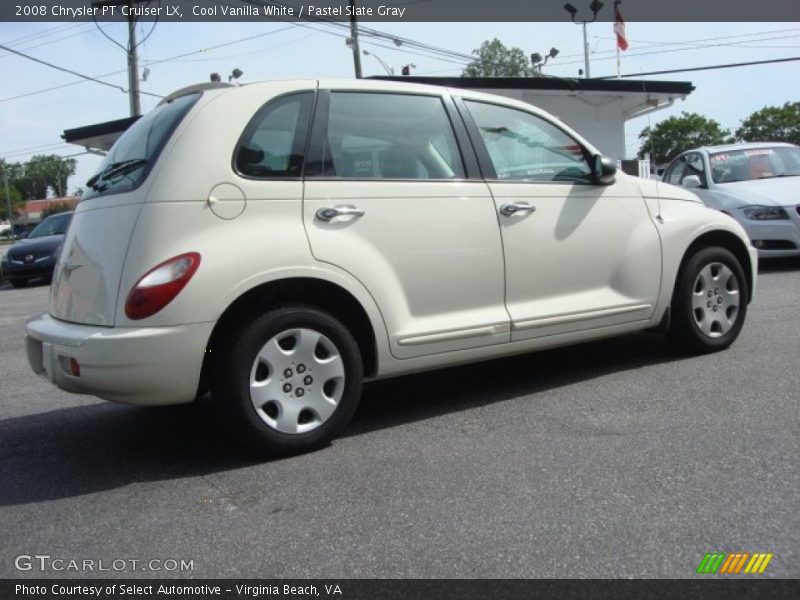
(30, 124)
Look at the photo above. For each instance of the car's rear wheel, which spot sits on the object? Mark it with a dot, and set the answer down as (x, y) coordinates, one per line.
(287, 381)
(710, 301)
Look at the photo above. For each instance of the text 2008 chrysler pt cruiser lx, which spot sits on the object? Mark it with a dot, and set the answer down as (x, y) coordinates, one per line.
(277, 243)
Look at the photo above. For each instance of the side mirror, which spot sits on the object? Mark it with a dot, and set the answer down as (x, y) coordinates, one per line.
(691, 181)
(604, 169)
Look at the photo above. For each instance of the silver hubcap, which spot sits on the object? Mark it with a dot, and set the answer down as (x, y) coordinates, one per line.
(297, 380)
(715, 300)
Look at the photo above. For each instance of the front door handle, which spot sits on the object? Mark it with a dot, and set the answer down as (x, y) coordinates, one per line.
(344, 210)
(515, 207)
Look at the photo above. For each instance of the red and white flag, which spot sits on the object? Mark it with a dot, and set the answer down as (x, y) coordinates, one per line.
(619, 27)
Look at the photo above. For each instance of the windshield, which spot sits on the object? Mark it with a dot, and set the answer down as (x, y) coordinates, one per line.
(128, 163)
(52, 225)
(755, 163)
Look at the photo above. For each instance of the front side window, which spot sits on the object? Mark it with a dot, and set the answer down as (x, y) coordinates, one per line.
(688, 164)
(390, 136)
(755, 163)
(273, 143)
(524, 147)
(133, 155)
(676, 172)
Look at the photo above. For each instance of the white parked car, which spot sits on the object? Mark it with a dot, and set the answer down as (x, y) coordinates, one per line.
(758, 184)
(279, 243)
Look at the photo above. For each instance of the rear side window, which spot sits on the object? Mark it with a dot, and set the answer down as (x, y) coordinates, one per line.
(390, 136)
(273, 144)
(133, 155)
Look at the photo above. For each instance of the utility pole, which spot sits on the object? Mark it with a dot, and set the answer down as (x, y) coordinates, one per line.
(133, 66)
(354, 40)
(586, 51)
(8, 201)
(131, 50)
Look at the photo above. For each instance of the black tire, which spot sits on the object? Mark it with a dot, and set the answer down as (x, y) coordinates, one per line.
(685, 328)
(234, 363)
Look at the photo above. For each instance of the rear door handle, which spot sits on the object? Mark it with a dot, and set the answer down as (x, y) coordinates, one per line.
(344, 210)
(515, 207)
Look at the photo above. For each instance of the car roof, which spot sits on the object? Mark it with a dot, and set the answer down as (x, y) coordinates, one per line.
(376, 85)
(745, 146)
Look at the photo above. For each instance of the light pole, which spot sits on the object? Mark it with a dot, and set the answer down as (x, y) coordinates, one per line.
(537, 61)
(595, 7)
(389, 70)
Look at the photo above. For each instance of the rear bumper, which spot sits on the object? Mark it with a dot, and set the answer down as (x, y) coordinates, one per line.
(144, 366)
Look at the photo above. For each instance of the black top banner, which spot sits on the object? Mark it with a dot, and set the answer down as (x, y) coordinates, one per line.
(399, 10)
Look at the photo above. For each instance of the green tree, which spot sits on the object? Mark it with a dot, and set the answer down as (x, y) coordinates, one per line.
(674, 135)
(493, 59)
(43, 173)
(772, 124)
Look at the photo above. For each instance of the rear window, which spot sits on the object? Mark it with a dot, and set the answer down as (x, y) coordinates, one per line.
(52, 225)
(129, 162)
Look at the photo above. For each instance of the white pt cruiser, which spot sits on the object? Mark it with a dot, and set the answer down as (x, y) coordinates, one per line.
(278, 243)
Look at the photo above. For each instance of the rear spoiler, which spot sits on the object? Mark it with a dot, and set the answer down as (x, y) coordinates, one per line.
(197, 87)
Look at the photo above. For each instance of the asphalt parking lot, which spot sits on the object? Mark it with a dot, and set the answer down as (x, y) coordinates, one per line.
(617, 458)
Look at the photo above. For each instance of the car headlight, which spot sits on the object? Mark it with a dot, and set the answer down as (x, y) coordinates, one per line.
(764, 213)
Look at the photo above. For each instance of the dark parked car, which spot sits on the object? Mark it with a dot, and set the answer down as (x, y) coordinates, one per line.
(35, 256)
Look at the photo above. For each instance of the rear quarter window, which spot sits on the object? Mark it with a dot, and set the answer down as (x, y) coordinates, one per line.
(273, 143)
(135, 153)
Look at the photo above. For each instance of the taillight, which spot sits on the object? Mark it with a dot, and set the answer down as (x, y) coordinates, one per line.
(159, 286)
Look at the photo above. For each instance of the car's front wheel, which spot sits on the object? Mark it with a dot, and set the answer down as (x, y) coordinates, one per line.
(288, 381)
(710, 301)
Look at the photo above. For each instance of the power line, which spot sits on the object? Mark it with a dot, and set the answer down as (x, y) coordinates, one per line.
(696, 42)
(148, 63)
(671, 50)
(38, 44)
(63, 69)
(466, 58)
(55, 87)
(52, 152)
(709, 67)
(42, 33)
(249, 53)
(32, 148)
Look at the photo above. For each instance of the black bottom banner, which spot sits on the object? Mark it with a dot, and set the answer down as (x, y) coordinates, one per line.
(397, 589)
